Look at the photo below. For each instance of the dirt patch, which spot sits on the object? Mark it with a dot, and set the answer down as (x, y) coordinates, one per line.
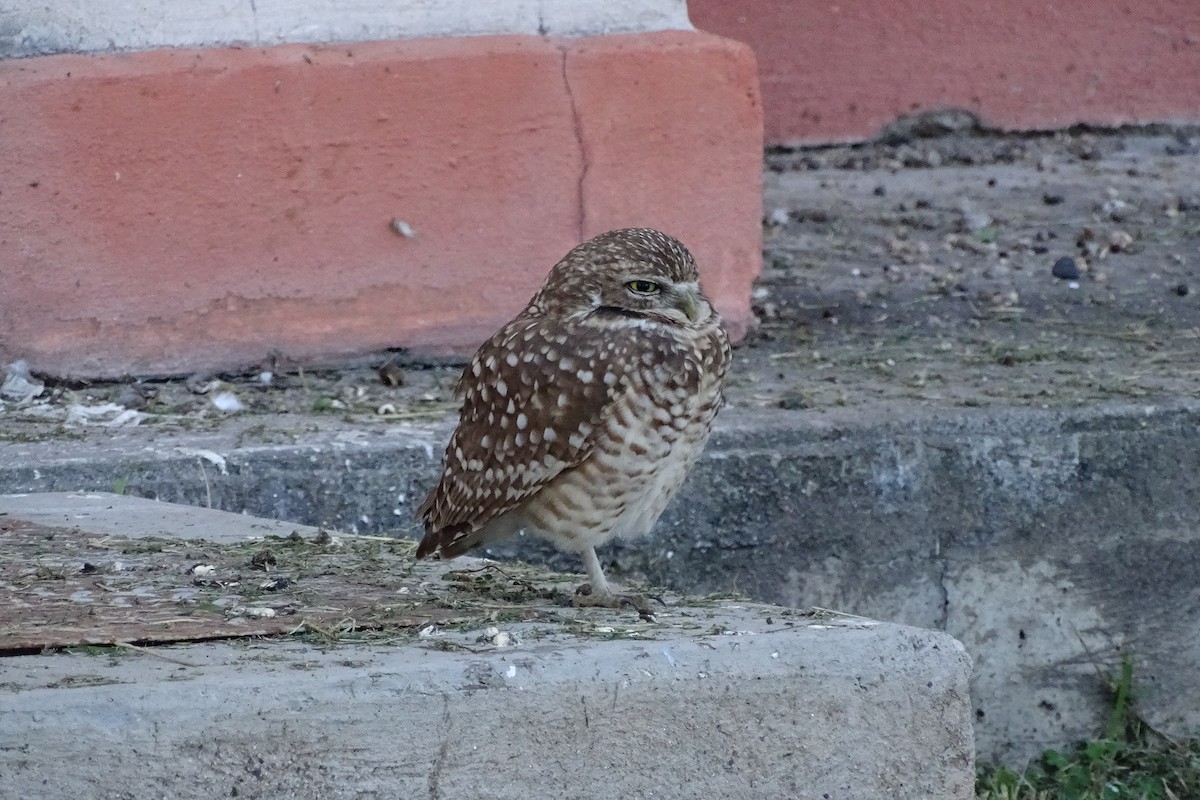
(912, 269)
(63, 587)
(925, 270)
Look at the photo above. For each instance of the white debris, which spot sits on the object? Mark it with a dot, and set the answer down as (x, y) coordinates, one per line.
(403, 228)
(253, 612)
(19, 384)
(973, 219)
(203, 570)
(228, 402)
(498, 637)
(208, 455)
(109, 414)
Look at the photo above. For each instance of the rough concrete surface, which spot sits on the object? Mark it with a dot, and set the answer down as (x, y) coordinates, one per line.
(725, 699)
(110, 514)
(29, 28)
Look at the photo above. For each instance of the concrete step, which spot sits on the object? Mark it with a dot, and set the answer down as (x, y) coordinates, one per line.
(510, 696)
(1044, 540)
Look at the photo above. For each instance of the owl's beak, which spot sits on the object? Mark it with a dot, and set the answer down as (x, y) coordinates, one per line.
(687, 300)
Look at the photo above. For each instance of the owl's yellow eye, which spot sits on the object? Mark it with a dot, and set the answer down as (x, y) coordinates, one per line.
(643, 287)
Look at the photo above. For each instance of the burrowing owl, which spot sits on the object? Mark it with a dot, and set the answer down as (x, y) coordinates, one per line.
(581, 417)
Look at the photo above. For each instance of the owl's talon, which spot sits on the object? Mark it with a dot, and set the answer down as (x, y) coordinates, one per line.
(584, 598)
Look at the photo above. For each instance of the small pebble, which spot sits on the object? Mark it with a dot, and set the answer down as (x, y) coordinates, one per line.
(1066, 269)
(880, 190)
(1182, 290)
(391, 374)
(1119, 241)
(793, 401)
(132, 397)
(1052, 198)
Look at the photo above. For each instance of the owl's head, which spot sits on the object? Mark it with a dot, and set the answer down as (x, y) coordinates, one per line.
(631, 273)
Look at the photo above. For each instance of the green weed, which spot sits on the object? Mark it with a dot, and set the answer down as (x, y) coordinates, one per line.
(1131, 762)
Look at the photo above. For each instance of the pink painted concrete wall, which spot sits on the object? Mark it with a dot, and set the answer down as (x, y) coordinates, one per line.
(835, 70)
(179, 210)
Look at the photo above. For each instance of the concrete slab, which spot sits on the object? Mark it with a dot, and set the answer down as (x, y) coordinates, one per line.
(717, 699)
(111, 514)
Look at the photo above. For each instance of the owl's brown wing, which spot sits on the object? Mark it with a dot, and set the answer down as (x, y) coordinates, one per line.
(531, 409)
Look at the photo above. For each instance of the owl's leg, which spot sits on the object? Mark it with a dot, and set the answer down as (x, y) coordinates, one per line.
(596, 593)
(597, 584)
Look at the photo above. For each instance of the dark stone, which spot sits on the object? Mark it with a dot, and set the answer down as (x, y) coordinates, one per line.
(1066, 269)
